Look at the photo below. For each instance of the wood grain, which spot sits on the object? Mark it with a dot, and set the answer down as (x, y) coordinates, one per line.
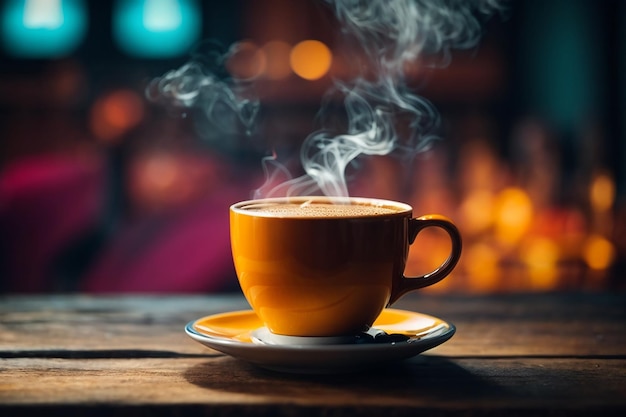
(512, 355)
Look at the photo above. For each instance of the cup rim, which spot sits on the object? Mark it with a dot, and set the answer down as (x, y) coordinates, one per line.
(402, 208)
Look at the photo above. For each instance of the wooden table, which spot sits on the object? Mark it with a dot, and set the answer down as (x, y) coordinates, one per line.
(514, 355)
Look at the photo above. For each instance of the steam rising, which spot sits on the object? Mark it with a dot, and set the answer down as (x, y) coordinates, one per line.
(398, 31)
(382, 114)
(372, 110)
(228, 105)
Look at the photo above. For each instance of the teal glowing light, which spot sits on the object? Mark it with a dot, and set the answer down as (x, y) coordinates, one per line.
(43, 28)
(156, 28)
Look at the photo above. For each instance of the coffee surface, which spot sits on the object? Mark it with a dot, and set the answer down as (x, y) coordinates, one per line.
(320, 210)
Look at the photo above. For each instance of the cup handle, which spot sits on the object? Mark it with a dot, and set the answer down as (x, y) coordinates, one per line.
(416, 225)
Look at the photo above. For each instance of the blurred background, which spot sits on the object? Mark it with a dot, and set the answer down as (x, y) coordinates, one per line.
(105, 190)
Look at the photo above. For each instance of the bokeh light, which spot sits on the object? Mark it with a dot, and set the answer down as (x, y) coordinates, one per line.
(115, 113)
(481, 262)
(157, 180)
(602, 193)
(477, 211)
(310, 59)
(165, 178)
(277, 55)
(513, 214)
(541, 256)
(598, 252)
(156, 28)
(43, 28)
(246, 61)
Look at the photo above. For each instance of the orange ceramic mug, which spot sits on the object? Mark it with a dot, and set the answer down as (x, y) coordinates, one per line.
(328, 266)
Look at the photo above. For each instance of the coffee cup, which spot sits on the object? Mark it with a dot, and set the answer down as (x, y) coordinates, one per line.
(328, 266)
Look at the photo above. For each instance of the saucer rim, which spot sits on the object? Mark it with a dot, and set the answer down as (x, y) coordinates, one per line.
(445, 334)
(323, 359)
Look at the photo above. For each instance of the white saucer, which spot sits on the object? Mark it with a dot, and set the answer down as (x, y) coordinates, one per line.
(241, 335)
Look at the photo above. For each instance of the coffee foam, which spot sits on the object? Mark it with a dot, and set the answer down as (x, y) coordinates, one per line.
(321, 210)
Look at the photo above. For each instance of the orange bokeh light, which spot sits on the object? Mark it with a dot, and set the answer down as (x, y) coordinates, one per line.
(310, 59)
(116, 113)
(246, 61)
(513, 215)
(598, 252)
(482, 267)
(541, 256)
(477, 211)
(602, 193)
(277, 57)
